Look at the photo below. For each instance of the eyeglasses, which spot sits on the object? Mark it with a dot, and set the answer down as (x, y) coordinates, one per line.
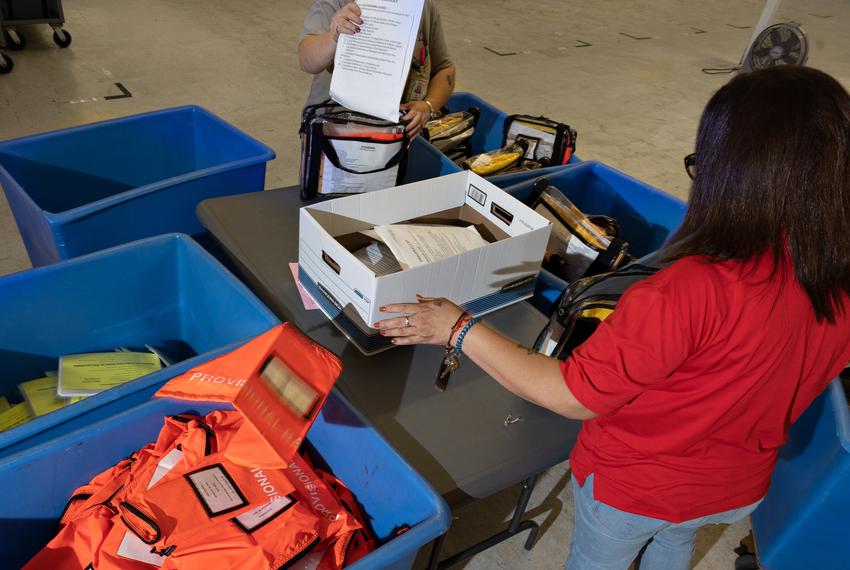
(691, 164)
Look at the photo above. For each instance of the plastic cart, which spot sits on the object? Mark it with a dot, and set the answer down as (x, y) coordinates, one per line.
(487, 136)
(390, 492)
(802, 522)
(79, 190)
(647, 215)
(425, 161)
(14, 13)
(165, 291)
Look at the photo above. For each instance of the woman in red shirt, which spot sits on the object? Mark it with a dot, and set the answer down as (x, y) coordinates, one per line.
(689, 388)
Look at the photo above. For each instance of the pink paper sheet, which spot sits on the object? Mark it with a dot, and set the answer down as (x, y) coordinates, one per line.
(309, 303)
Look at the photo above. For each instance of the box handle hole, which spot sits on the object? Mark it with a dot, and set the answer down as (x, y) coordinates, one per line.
(330, 261)
(501, 213)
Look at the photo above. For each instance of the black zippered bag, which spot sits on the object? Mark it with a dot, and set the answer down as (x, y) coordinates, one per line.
(587, 302)
(550, 143)
(320, 160)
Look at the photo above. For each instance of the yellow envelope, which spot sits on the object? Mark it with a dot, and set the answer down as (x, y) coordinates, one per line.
(87, 374)
(41, 395)
(15, 416)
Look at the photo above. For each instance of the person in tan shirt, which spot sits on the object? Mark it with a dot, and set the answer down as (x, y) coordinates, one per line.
(432, 73)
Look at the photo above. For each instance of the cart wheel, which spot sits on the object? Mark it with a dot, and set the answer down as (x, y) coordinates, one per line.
(14, 41)
(63, 40)
(6, 64)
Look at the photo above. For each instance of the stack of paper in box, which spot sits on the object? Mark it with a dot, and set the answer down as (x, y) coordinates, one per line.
(402, 246)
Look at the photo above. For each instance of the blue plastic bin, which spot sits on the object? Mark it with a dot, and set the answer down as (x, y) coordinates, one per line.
(647, 215)
(491, 122)
(390, 492)
(425, 161)
(86, 188)
(802, 522)
(152, 291)
(487, 136)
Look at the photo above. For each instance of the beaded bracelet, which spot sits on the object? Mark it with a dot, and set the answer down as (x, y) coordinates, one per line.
(460, 337)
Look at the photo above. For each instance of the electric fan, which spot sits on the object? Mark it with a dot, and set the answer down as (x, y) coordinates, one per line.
(779, 44)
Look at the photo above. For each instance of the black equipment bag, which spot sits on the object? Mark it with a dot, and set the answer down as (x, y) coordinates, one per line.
(452, 130)
(589, 301)
(326, 128)
(579, 245)
(549, 142)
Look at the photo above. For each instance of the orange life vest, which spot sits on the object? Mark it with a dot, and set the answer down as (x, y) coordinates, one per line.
(185, 502)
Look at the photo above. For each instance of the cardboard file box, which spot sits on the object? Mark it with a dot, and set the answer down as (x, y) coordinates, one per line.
(487, 278)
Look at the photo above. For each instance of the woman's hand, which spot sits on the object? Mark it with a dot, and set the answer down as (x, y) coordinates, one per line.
(526, 373)
(347, 20)
(429, 321)
(418, 113)
(316, 52)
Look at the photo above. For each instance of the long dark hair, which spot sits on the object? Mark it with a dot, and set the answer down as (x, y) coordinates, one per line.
(772, 174)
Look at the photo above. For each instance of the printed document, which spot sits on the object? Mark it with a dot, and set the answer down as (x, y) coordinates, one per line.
(359, 156)
(15, 416)
(41, 395)
(371, 67)
(414, 245)
(87, 374)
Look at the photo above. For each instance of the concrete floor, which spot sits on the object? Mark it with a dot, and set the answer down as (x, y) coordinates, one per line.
(635, 103)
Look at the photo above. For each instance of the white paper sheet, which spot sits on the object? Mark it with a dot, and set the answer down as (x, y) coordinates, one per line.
(371, 67)
(359, 156)
(414, 245)
(378, 258)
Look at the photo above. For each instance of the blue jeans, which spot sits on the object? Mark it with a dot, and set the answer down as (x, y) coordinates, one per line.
(605, 538)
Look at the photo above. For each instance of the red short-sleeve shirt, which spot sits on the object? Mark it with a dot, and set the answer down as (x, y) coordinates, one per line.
(696, 378)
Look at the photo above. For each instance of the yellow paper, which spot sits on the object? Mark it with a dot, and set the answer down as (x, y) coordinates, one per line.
(87, 374)
(4, 404)
(41, 395)
(15, 416)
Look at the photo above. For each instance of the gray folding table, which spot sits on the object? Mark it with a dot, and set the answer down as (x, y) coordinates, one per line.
(469, 442)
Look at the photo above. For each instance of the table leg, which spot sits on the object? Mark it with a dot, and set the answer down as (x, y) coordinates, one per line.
(516, 526)
(434, 561)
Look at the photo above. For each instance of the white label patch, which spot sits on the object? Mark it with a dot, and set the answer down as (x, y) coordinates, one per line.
(309, 562)
(216, 490)
(541, 139)
(478, 195)
(133, 548)
(254, 519)
(579, 257)
(295, 392)
(166, 464)
(359, 156)
(373, 250)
